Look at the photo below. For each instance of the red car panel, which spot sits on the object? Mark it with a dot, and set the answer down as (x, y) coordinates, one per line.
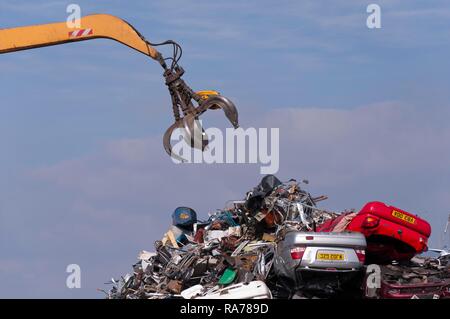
(391, 233)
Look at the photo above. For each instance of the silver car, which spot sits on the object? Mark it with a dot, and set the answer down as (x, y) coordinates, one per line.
(306, 258)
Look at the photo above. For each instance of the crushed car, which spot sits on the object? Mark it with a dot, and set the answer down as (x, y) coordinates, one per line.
(419, 278)
(308, 259)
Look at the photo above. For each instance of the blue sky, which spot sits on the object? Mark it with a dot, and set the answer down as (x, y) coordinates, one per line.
(363, 114)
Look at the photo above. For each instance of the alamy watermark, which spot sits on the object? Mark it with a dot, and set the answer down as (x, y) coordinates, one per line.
(73, 280)
(236, 146)
(74, 19)
(374, 19)
(373, 276)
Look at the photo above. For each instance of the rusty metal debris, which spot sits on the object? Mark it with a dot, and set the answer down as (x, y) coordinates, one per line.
(238, 250)
(420, 278)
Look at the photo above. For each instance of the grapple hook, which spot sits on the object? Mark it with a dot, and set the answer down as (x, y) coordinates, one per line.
(194, 134)
(183, 99)
(217, 101)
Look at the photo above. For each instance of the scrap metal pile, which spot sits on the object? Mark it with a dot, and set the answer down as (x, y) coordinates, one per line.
(265, 246)
(418, 278)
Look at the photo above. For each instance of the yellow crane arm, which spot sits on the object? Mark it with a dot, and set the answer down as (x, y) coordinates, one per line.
(187, 105)
(91, 27)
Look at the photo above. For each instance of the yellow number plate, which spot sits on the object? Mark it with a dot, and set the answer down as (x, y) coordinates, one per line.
(330, 256)
(404, 217)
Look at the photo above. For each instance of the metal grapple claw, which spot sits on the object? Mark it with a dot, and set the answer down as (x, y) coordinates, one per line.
(187, 114)
(220, 102)
(194, 134)
(166, 141)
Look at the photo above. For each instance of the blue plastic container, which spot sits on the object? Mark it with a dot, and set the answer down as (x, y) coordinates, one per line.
(184, 217)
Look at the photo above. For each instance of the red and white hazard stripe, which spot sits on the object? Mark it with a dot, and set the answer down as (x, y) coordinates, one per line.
(80, 33)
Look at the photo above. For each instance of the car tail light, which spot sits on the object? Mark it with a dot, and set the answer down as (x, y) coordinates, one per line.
(370, 222)
(297, 252)
(309, 237)
(361, 253)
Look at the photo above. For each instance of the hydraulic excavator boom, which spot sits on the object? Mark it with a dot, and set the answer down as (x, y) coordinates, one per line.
(187, 105)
